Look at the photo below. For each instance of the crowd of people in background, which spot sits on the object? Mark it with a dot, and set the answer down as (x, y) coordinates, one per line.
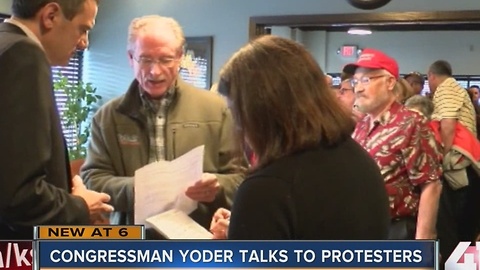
(369, 158)
(451, 115)
(425, 145)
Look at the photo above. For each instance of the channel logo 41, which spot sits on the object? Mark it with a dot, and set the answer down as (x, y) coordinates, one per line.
(464, 257)
(16, 255)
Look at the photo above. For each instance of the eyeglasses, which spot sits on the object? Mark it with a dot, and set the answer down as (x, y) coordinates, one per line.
(167, 62)
(365, 80)
(342, 90)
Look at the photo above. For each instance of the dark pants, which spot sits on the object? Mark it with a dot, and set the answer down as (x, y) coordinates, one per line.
(403, 228)
(458, 214)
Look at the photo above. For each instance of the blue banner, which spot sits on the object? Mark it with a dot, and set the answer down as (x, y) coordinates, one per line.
(236, 254)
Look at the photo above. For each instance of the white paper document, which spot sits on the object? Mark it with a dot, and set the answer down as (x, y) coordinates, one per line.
(160, 186)
(175, 224)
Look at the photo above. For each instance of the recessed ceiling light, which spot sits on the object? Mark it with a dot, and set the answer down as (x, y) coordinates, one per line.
(359, 31)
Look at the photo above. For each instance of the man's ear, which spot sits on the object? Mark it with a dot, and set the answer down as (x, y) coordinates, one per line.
(180, 52)
(391, 83)
(180, 57)
(49, 15)
(130, 57)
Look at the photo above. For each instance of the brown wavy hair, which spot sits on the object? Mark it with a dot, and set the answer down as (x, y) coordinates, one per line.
(403, 90)
(280, 101)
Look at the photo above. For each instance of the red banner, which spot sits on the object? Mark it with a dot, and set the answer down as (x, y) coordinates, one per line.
(16, 255)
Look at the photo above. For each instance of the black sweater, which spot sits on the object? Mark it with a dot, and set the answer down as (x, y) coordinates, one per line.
(323, 193)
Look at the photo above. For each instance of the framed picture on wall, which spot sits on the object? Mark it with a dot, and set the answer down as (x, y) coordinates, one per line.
(196, 64)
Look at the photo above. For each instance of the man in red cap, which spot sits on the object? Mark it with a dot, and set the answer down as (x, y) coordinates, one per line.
(401, 143)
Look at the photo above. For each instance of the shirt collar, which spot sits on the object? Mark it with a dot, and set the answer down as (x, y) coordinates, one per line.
(386, 116)
(447, 81)
(25, 29)
(154, 104)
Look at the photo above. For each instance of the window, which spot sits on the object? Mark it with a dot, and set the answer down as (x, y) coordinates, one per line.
(73, 72)
(465, 81)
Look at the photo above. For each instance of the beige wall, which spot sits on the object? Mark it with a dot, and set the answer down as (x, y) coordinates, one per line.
(414, 50)
(5, 6)
(225, 20)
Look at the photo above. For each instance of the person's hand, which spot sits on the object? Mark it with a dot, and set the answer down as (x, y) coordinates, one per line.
(97, 202)
(220, 223)
(205, 189)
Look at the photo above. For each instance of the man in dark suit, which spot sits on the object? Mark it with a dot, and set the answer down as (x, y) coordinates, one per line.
(35, 183)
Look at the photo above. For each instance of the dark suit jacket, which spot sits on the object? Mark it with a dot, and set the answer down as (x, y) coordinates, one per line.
(34, 179)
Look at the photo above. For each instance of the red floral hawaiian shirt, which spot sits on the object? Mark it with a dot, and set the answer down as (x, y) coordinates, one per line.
(404, 148)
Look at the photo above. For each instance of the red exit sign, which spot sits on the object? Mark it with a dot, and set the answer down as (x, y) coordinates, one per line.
(348, 51)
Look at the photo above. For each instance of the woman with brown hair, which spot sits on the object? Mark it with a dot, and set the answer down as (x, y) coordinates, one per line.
(404, 90)
(312, 181)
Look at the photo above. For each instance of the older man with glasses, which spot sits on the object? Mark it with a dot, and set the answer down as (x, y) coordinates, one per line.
(346, 96)
(160, 117)
(401, 143)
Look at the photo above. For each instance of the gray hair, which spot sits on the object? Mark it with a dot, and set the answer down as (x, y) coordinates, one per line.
(151, 23)
(420, 103)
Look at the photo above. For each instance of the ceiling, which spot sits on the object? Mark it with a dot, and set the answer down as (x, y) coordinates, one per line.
(377, 21)
(468, 26)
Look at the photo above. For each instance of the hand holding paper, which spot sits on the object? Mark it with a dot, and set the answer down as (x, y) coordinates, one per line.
(160, 186)
(204, 190)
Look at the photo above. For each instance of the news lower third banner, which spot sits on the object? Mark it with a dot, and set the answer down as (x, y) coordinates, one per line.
(131, 254)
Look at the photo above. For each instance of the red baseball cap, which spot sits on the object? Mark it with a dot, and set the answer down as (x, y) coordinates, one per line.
(371, 58)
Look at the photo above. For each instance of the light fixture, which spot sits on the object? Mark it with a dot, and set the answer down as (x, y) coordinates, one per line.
(368, 4)
(359, 31)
